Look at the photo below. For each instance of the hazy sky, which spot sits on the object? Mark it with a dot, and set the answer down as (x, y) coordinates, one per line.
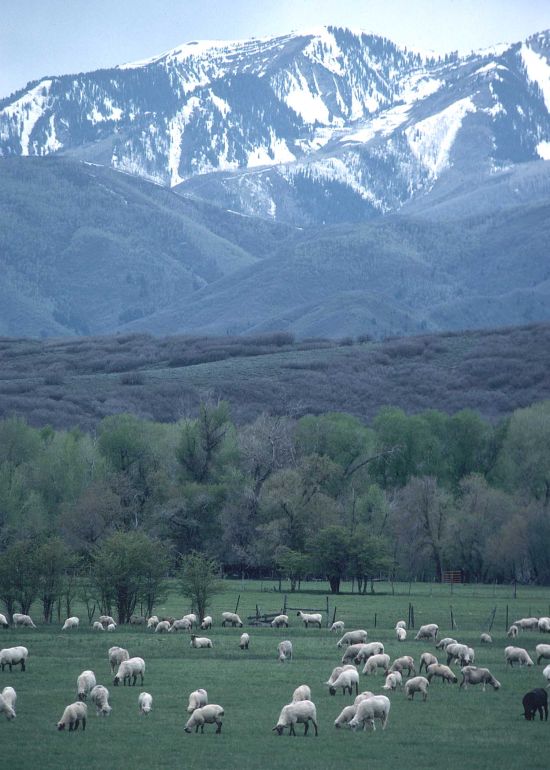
(54, 37)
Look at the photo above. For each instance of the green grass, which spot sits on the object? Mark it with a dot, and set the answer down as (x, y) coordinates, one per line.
(454, 728)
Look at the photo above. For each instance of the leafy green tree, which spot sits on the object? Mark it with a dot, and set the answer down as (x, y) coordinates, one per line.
(53, 558)
(293, 564)
(331, 550)
(468, 441)
(369, 556)
(199, 580)
(202, 440)
(19, 576)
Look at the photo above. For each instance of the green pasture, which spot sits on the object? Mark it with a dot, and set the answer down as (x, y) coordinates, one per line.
(469, 729)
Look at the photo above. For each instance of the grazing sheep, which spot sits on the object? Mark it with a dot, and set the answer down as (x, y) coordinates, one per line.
(535, 700)
(338, 625)
(416, 684)
(337, 671)
(376, 707)
(517, 655)
(460, 652)
(442, 672)
(359, 636)
(527, 624)
(475, 675)
(426, 659)
(279, 621)
(393, 681)
(366, 651)
(375, 662)
(97, 626)
(362, 696)
(543, 652)
(153, 621)
(244, 641)
(546, 674)
(7, 702)
(295, 713)
(70, 623)
(162, 627)
(106, 620)
(84, 684)
(486, 639)
(512, 632)
(4, 621)
(145, 702)
(138, 620)
(99, 695)
(111, 627)
(544, 625)
(302, 692)
(12, 656)
(200, 642)
(130, 669)
(401, 634)
(180, 625)
(345, 716)
(444, 643)
(346, 680)
(73, 716)
(315, 618)
(284, 651)
(116, 656)
(197, 699)
(192, 618)
(428, 631)
(205, 715)
(400, 664)
(206, 622)
(233, 618)
(401, 624)
(22, 620)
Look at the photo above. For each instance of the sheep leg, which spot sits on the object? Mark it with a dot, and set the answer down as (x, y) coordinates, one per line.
(219, 727)
(315, 726)
(306, 727)
(22, 665)
(292, 730)
(356, 688)
(83, 723)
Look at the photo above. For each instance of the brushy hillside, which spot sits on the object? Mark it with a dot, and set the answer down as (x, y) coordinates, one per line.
(68, 382)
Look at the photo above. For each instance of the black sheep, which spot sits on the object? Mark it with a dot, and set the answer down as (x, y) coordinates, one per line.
(533, 701)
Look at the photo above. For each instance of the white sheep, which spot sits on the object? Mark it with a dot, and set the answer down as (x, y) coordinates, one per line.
(527, 623)
(401, 634)
(130, 669)
(442, 672)
(543, 652)
(517, 655)
(111, 627)
(284, 651)
(445, 642)
(97, 626)
(70, 623)
(200, 642)
(206, 622)
(512, 632)
(197, 699)
(347, 679)
(362, 696)
(116, 656)
(303, 692)
(145, 702)
(401, 624)
(546, 674)
(192, 618)
(402, 663)
(7, 702)
(336, 673)
(429, 631)
(486, 639)
(4, 621)
(359, 636)
(12, 656)
(393, 681)
(365, 651)
(99, 696)
(279, 621)
(22, 620)
(460, 652)
(416, 684)
(345, 716)
(314, 618)
(232, 618)
(375, 662)
(179, 625)
(544, 625)
(84, 684)
(163, 627)
(153, 621)
(376, 707)
(426, 659)
(205, 715)
(338, 625)
(474, 675)
(73, 715)
(244, 641)
(106, 620)
(302, 712)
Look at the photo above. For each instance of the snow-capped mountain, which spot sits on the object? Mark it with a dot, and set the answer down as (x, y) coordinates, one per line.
(324, 125)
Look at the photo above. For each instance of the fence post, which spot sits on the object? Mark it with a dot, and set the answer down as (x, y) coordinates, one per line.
(493, 618)
(375, 617)
(237, 605)
(284, 613)
(452, 618)
(334, 614)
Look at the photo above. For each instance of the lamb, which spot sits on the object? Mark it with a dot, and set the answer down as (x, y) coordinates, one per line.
(543, 652)
(97, 626)
(460, 652)
(362, 696)
(4, 621)
(401, 624)
(284, 651)
(153, 621)
(401, 634)
(544, 625)
(111, 627)
(70, 623)
(73, 716)
(535, 700)
(12, 656)
(393, 681)
(162, 627)
(359, 636)
(337, 626)
(302, 712)
(192, 618)
(416, 684)
(130, 669)
(22, 620)
(100, 697)
(546, 675)
(525, 624)
(138, 620)
(428, 631)
(106, 620)
(205, 715)
(346, 680)
(512, 632)
(405, 662)
(366, 651)
(376, 707)
(180, 625)
(426, 659)
(315, 618)
(444, 643)
(441, 671)
(200, 642)
(336, 673)
(303, 692)
(197, 699)
(244, 641)
(233, 618)
(7, 702)
(116, 656)
(84, 684)
(375, 662)
(345, 716)
(145, 702)
(517, 655)
(206, 622)
(280, 620)
(474, 675)
(486, 639)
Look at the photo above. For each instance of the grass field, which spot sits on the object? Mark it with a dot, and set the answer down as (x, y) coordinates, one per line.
(453, 729)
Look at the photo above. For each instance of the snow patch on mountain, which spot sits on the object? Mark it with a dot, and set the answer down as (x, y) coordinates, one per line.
(538, 71)
(27, 111)
(543, 150)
